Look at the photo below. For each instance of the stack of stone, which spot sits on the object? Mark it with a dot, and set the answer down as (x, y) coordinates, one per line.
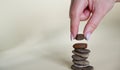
(80, 55)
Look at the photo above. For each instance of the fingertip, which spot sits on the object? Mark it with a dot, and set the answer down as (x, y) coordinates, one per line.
(74, 32)
(87, 35)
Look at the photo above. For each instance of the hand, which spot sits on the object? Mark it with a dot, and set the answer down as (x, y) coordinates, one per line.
(91, 10)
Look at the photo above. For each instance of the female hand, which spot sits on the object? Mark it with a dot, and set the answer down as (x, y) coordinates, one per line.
(91, 10)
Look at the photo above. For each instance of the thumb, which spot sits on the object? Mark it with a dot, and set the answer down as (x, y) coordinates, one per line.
(93, 22)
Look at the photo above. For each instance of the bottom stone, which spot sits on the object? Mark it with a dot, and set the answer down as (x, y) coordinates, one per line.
(82, 68)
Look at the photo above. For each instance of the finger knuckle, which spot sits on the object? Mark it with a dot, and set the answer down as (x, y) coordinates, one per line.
(73, 14)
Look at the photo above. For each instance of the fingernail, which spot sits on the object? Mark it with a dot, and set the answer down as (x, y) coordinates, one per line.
(71, 36)
(88, 35)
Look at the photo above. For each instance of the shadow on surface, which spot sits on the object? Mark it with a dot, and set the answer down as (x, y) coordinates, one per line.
(58, 56)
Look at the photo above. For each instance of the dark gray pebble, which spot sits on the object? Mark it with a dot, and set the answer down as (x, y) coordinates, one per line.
(80, 54)
(84, 51)
(82, 68)
(82, 63)
(76, 57)
(88, 68)
(75, 68)
(80, 37)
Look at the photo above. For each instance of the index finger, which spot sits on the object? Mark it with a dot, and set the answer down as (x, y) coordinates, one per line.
(76, 9)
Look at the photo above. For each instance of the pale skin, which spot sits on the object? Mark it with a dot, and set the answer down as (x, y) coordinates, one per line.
(91, 11)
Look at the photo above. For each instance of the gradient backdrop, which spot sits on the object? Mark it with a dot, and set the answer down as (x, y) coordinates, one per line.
(34, 35)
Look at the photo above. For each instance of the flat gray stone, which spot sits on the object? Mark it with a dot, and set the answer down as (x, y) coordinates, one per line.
(84, 51)
(80, 54)
(83, 62)
(76, 57)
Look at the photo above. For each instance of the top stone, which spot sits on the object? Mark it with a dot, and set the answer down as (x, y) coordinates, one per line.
(80, 37)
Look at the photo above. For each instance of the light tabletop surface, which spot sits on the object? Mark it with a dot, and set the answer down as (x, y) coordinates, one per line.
(34, 35)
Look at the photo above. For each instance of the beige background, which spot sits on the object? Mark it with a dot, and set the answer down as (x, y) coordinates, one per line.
(34, 35)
